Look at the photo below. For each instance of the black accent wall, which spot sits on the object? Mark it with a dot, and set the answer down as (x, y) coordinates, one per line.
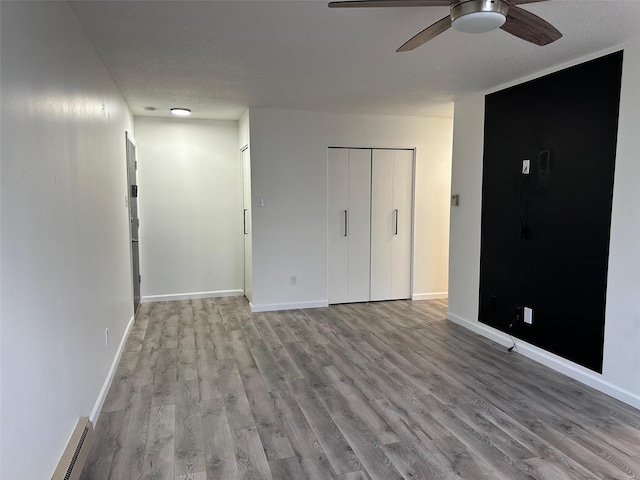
(545, 236)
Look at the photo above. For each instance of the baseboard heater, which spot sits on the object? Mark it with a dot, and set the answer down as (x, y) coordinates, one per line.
(75, 455)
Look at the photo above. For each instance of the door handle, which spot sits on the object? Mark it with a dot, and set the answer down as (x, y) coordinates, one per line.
(346, 231)
(135, 240)
(397, 215)
(244, 221)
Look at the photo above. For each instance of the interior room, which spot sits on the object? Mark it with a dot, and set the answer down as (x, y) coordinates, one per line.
(374, 245)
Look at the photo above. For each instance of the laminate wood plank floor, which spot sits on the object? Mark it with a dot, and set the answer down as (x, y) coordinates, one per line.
(207, 390)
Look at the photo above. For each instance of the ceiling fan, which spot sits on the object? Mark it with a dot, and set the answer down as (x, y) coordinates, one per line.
(471, 16)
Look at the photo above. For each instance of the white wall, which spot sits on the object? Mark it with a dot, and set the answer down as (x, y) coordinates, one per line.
(620, 375)
(244, 131)
(190, 200)
(622, 327)
(65, 248)
(289, 170)
(466, 180)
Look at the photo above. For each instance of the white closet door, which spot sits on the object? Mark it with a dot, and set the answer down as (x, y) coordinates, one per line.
(391, 214)
(359, 224)
(401, 241)
(382, 224)
(338, 193)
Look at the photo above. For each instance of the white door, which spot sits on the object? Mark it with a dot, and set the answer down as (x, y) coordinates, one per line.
(382, 224)
(403, 233)
(338, 216)
(359, 224)
(246, 221)
(391, 220)
(349, 194)
(132, 192)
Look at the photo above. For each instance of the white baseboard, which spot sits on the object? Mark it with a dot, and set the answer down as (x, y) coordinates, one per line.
(551, 360)
(429, 296)
(287, 306)
(189, 296)
(95, 413)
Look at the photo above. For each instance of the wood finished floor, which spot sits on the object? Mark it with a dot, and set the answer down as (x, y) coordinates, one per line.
(207, 390)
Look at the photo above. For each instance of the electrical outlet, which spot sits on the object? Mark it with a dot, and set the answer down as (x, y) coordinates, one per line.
(106, 336)
(293, 280)
(528, 316)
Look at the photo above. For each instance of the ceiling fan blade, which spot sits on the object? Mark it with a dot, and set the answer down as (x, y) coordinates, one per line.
(389, 3)
(426, 34)
(520, 2)
(530, 27)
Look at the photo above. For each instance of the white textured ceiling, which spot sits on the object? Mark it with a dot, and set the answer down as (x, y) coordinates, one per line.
(220, 57)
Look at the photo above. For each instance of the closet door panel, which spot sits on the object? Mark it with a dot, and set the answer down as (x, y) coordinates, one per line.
(338, 248)
(382, 224)
(359, 224)
(401, 240)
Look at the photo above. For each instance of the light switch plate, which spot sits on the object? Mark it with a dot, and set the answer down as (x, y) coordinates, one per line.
(528, 316)
(526, 167)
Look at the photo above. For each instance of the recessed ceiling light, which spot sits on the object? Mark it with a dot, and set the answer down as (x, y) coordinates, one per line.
(181, 112)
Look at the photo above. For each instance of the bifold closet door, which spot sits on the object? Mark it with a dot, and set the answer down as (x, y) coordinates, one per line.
(391, 214)
(349, 191)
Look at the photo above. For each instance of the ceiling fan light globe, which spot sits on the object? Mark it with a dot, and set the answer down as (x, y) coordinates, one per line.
(479, 22)
(181, 112)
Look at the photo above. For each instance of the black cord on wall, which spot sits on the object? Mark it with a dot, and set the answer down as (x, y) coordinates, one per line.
(510, 349)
